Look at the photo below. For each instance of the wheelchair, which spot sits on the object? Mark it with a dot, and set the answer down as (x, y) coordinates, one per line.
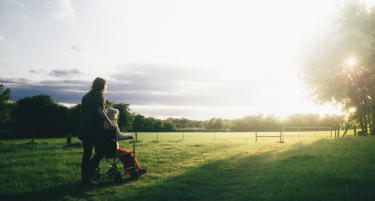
(111, 154)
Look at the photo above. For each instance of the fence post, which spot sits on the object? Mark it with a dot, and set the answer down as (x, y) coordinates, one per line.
(255, 135)
(331, 131)
(335, 131)
(280, 135)
(338, 132)
(183, 136)
(355, 131)
(157, 136)
(69, 138)
(136, 135)
(214, 136)
(298, 133)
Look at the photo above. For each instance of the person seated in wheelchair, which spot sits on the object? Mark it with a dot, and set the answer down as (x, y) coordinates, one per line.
(126, 161)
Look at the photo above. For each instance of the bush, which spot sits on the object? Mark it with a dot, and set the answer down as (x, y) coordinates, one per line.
(69, 138)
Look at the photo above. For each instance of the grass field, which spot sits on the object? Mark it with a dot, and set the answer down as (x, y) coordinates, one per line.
(198, 166)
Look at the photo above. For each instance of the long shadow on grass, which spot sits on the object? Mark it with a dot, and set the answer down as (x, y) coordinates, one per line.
(76, 190)
(218, 180)
(318, 171)
(166, 189)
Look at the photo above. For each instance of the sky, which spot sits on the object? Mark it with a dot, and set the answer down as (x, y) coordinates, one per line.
(198, 59)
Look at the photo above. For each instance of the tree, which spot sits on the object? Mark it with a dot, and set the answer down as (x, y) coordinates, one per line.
(199, 124)
(125, 119)
(158, 125)
(109, 104)
(138, 123)
(271, 123)
(218, 124)
(149, 124)
(211, 123)
(41, 116)
(338, 65)
(169, 126)
(332, 120)
(5, 109)
(75, 119)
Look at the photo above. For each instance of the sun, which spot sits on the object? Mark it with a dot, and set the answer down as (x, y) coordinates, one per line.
(351, 62)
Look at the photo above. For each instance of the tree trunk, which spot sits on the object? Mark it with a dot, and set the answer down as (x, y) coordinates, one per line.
(369, 120)
(372, 120)
(361, 122)
(365, 118)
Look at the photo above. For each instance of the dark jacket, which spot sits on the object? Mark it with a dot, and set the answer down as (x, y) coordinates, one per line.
(91, 126)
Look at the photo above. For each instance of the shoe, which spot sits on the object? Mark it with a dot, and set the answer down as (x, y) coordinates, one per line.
(88, 182)
(142, 171)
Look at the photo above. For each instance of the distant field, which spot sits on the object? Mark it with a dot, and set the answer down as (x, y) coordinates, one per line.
(199, 166)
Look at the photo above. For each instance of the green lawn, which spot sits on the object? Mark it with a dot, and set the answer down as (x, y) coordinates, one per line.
(198, 166)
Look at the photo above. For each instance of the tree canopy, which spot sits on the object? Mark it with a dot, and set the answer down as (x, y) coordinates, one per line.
(338, 65)
(40, 115)
(5, 109)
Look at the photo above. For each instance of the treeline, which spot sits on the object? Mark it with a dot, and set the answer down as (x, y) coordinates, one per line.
(246, 124)
(41, 116)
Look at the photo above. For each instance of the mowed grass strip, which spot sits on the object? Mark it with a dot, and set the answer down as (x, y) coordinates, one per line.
(229, 168)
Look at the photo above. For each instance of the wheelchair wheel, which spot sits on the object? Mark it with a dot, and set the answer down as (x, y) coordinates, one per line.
(111, 173)
(118, 177)
(96, 175)
(134, 175)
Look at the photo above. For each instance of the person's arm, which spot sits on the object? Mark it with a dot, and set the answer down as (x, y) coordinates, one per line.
(104, 117)
(121, 136)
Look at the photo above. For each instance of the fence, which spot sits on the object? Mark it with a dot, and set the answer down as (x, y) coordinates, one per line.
(203, 136)
(281, 136)
(307, 131)
(182, 136)
(290, 133)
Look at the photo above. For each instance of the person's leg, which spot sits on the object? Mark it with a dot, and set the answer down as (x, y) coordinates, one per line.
(123, 159)
(129, 161)
(99, 154)
(141, 170)
(135, 160)
(85, 165)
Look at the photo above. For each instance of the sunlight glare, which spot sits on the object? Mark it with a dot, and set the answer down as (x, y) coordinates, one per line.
(351, 61)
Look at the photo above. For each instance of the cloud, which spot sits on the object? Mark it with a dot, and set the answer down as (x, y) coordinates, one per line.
(1, 38)
(15, 80)
(37, 71)
(79, 48)
(64, 73)
(143, 84)
(165, 78)
(165, 100)
(8, 64)
(66, 91)
(150, 84)
(62, 10)
(58, 73)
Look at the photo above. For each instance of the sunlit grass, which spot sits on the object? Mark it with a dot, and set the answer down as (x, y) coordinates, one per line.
(198, 166)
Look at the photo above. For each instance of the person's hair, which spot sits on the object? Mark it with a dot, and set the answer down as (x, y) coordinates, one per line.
(111, 113)
(99, 84)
